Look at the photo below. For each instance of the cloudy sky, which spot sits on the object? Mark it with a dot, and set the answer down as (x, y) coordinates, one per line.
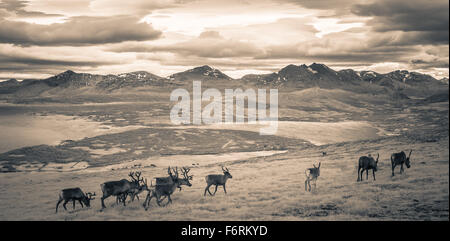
(39, 38)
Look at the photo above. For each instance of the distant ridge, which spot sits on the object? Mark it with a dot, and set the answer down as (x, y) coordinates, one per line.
(401, 83)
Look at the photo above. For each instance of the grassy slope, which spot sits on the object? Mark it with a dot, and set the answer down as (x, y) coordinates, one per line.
(270, 188)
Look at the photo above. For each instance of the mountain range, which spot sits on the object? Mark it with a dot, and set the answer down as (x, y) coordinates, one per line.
(400, 82)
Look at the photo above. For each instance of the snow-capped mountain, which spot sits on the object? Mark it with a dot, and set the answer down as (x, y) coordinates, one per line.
(200, 73)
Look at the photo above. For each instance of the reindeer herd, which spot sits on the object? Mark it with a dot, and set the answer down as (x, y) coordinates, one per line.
(166, 186)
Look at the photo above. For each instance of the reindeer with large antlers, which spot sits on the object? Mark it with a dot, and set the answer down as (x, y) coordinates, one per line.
(311, 176)
(122, 187)
(167, 180)
(218, 180)
(400, 159)
(164, 190)
(74, 194)
(134, 192)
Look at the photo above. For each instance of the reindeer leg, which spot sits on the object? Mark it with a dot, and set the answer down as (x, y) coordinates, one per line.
(103, 200)
(358, 180)
(59, 201)
(204, 193)
(362, 172)
(64, 204)
(373, 173)
(73, 204)
(215, 190)
(393, 167)
(401, 169)
(81, 203)
(367, 174)
(224, 189)
(159, 201)
(147, 200)
(124, 198)
(207, 189)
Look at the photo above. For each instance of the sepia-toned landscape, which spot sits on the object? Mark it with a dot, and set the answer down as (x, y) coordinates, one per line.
(103, 121)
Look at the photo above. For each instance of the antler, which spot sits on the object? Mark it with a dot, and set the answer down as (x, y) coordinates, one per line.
(409, 154)
(169, 170)
(185, 172)
(225, 170)
(90, 195)
(378, 156)
(131, 174)
(136, 176)
(176, 172)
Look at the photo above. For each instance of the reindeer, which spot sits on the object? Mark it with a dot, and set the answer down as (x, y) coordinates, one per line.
(364, 164)
(400, 159)
(217, 179)
(120, 188)
(166, 189)
(167, 180)
(311, 176)
(133, 192)
(74, 194)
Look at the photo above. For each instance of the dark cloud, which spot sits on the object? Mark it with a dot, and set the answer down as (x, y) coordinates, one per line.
(427, 64)
(11, 62)
(427, 20)
(18, 8)
(298, 51)
(77, 31)
(209, 44)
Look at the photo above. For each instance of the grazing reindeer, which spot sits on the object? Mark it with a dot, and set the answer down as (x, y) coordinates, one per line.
(167, 180)
(217, 179)
(74, 194)
(166, 189)
(364, 164)
(400, 159)
(119, 188)
(311, 176)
